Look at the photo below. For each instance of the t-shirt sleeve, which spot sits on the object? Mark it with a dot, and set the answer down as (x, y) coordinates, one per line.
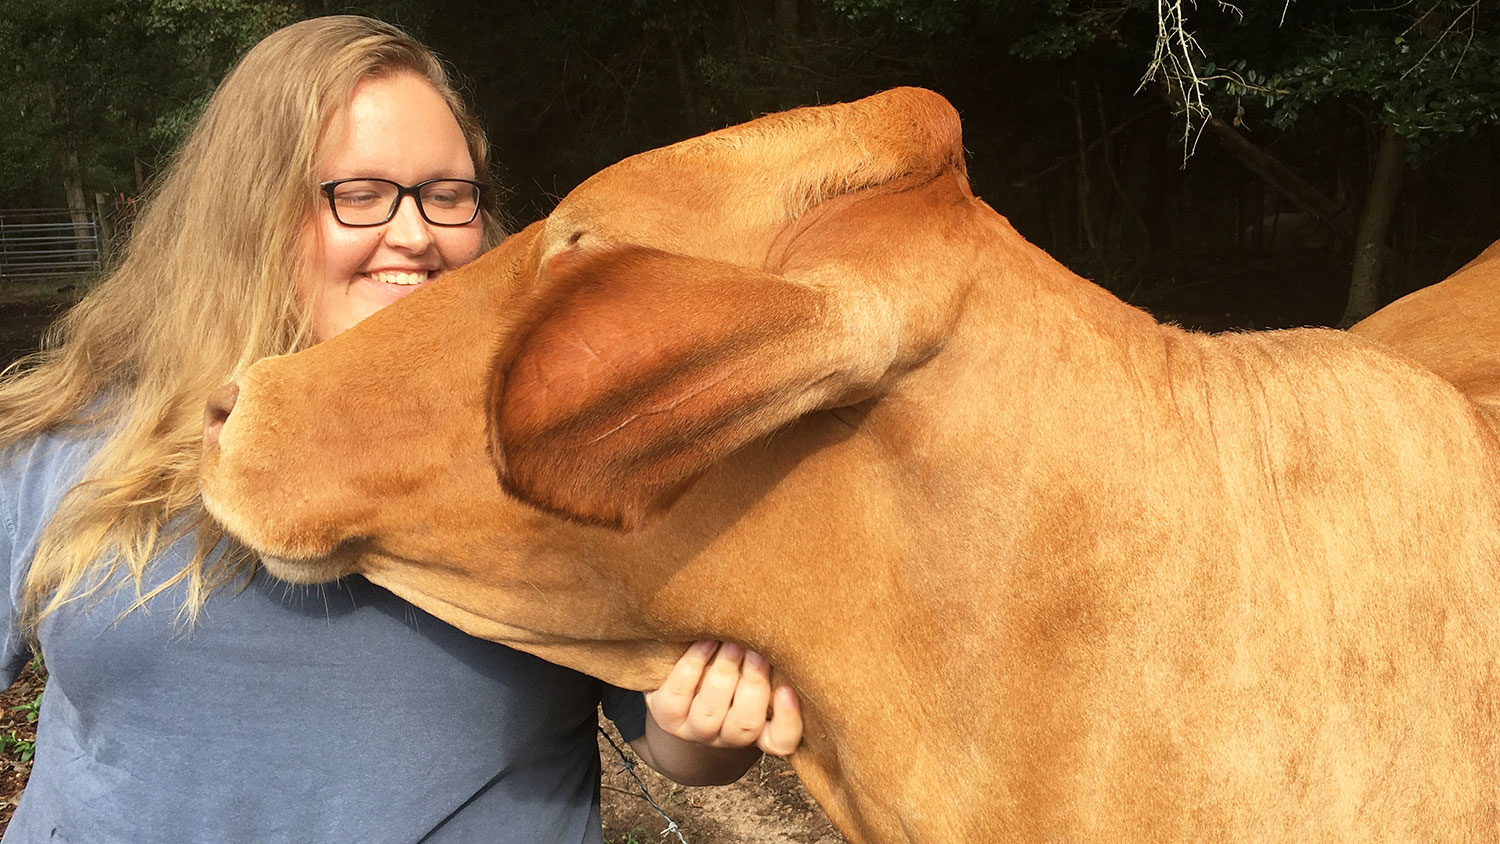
(626, 709)
(35, 474)
(15, 649)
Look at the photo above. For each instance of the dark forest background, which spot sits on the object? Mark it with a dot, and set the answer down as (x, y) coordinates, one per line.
(1227, 166)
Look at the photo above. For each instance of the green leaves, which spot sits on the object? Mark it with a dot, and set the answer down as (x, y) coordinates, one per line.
(30, 709)
(1427, 68)
(16, 747)
(114, 81)
(568, 87)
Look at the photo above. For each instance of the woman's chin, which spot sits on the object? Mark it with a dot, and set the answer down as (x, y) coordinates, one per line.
(363, 297)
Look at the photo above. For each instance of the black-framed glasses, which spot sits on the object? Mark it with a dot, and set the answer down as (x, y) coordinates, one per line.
(373, 202)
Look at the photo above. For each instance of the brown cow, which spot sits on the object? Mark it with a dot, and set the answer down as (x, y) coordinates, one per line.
(1452, 328)
(1040, 568)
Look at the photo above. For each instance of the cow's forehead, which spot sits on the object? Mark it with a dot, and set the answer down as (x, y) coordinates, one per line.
(695, 203)
(727, 195)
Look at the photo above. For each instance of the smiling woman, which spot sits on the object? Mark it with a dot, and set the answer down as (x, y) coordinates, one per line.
(376, 240)
(171, 652)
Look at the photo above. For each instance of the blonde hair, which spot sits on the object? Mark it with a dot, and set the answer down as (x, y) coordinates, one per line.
(205, 287)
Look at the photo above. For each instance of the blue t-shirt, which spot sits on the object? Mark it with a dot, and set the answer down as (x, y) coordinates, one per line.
(335, 713)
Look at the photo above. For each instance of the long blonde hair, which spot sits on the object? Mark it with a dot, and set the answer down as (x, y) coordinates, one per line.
(206, 286)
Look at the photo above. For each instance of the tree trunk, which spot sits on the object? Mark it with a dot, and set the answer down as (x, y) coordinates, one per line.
(1252, 233)
(684, 84)
(78, 206)
(1086, 234)
(73, 187)
(106, 227)
(1288, 184)
(1158, 188)
(786, 49)
(1374, 224)
(786, 26)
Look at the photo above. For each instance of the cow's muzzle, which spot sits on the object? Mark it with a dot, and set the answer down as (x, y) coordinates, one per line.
(220, 405)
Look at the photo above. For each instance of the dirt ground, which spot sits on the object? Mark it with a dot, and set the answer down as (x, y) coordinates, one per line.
(767, 806)
(25, 312)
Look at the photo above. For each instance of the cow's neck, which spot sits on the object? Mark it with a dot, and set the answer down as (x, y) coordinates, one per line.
(1019, 488)
(873, 548)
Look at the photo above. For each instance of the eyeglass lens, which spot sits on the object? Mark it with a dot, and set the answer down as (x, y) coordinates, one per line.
(364, 202)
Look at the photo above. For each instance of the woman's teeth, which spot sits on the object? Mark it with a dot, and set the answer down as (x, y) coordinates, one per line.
(401, 277)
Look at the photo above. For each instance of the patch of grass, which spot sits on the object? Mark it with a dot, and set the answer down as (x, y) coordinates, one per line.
(21, 745)
(30, 709)
(637, 835)
(17, 748)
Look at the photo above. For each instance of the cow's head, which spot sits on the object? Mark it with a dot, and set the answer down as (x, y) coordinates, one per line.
(674, 307)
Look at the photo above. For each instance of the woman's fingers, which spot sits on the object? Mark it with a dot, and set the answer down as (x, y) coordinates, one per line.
(671, 703)
(783, 732)
(746, 718)
(719, 695)
(715, 695)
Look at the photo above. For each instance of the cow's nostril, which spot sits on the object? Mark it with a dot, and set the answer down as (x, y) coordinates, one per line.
(220, 405)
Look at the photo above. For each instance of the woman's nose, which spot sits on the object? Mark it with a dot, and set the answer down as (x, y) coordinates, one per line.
(407, 230)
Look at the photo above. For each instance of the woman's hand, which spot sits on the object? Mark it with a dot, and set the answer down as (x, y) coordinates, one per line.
(708, 722)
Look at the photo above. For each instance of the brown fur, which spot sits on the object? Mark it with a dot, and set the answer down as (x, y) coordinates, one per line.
(1452, 328)
(1040, 568)
(611, 370)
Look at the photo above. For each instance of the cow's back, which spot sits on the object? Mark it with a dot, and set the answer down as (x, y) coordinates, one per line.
(1358, 638)
(1452, 328)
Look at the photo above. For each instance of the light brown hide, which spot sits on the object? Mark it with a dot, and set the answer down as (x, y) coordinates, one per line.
(1452, 328)
(1060, 574)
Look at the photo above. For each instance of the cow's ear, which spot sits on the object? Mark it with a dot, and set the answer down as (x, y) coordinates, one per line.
(639, 369)
(636, 370)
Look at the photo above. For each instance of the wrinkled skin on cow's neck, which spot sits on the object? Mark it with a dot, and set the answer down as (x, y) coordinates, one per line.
(1050, 571)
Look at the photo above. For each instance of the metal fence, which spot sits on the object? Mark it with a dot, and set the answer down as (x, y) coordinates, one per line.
(38, 243)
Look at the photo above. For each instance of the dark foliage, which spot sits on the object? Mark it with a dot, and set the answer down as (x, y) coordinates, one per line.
(1064, 138)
